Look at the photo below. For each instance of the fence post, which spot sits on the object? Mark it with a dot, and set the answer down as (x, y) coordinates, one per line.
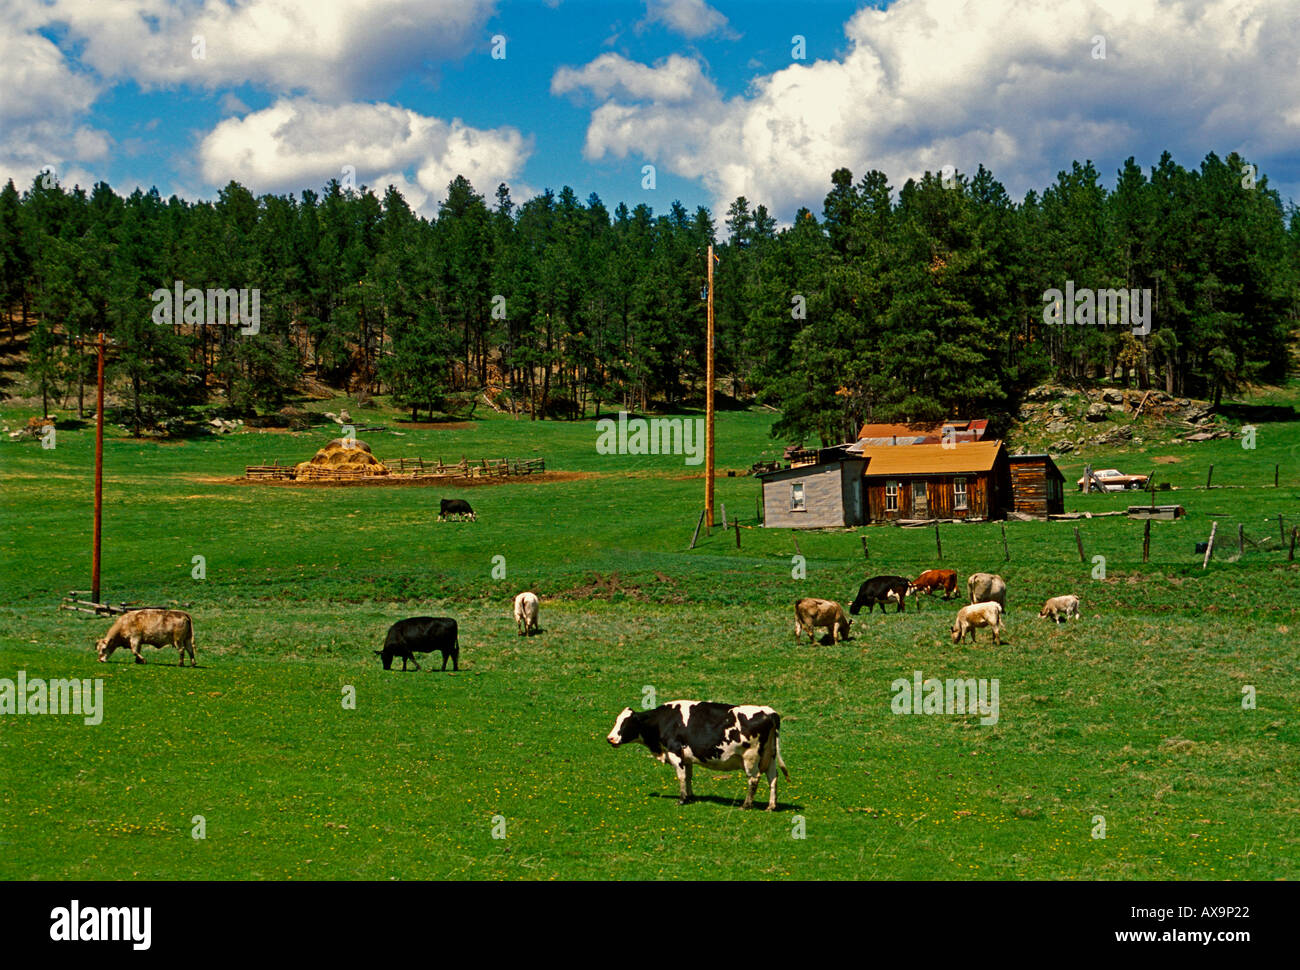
(1208, 476)
(1078, 541)
(697, 528)
(796, 545)
(1281, 529)
(1146, 542)
(1241, 540)
(736, 525)
(724, 515)
(866, 553)
(1275, 468)
(1006, 553)
(937, 544)
(1291, 555)
(1209, 547)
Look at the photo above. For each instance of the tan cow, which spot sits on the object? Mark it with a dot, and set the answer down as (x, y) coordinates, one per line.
(158, 628)
(1061, 607)
(526, 613)
(977, 615)
(811, 613)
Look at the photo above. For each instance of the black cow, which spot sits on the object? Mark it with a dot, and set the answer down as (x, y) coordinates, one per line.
(718, 736)
(421, 634)
(880, 589)
(455, 506)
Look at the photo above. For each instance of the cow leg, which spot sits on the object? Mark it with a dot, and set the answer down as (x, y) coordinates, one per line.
(413, 661)
(135, 650)
(683, 769)
(772, 772)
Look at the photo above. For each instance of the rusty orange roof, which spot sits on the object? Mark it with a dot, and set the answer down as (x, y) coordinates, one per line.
(959, 457)
(909, 434)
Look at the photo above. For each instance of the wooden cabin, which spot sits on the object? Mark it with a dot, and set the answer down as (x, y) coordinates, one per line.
(1037, 485)
(959, 480)
(827, 494)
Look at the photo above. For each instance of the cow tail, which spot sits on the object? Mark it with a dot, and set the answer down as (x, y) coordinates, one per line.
(776, 737)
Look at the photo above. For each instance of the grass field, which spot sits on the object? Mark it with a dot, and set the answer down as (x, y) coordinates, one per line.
(1134, 714)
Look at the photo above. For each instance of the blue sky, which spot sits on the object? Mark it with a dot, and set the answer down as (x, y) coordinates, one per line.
(282, 95)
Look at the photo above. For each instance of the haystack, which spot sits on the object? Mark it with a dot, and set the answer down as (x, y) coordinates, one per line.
(342, 455)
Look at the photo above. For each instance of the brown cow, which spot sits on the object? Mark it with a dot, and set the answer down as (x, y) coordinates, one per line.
(158, 628)
(810, 613)
(932, 579)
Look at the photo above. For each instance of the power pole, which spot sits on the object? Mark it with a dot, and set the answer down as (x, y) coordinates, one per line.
(99, 465)
(708, 405)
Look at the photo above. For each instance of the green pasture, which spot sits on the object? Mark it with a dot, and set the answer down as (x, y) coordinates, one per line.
(1134, 713)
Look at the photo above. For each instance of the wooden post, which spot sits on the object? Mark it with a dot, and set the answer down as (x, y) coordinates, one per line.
(1275, 468)
(796, 545)
(736, 525)
(708, 401)
(1006, 553)
(99, 467)
(1209, 547)
(1146, 542)
(1078, 541)
(938, 546)
(724, 515)
(1087, 479)
(697, 530)
(1290, 556)
(1209, 475)
(1241, 540)
(866, 553)
(1281, 529)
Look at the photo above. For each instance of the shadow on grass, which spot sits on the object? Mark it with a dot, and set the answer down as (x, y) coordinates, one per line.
(759, 803)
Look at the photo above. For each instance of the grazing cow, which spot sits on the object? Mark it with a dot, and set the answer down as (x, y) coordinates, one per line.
(933, 579)
(526, 613)
(421, 634)
(718, 736)
(1061, 608)
(811, 613)
(158, 628)
(882, 590)
(976, 615)
(987, 588)
(455, 507)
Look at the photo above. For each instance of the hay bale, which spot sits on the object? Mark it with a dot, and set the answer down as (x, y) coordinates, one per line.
(342, 456)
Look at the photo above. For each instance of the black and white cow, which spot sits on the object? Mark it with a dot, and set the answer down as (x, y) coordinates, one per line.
(452, 507)
(720, 737)
(422, 634)
(880, 590)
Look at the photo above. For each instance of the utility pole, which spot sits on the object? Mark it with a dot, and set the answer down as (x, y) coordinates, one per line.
(99, 464)
(708, 404)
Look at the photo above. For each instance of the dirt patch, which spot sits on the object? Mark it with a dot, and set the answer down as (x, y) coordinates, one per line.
(1166, 460)
(601, 587)
(395, 480)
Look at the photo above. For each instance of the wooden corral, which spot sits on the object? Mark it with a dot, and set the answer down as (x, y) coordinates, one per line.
(402, 469)
(1037, 485)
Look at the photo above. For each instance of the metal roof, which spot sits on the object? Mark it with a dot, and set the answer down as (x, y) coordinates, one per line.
(954, 458)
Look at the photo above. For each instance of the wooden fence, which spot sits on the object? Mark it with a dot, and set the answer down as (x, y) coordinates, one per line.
(404, 468)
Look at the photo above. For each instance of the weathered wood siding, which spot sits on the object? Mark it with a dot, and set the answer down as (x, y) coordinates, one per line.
(1031, 489)
(832, 496)
(939, 498)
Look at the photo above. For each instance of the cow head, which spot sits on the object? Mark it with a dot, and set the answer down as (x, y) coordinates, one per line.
(956, 633)
(625, 728)
(386, 657)
(101, 650)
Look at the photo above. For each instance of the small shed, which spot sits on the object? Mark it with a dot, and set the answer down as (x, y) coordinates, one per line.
(826, 494)
(1037, 485)
(956, 480)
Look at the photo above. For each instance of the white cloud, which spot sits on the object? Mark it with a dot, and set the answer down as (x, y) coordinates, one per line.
(298, 142)
(334, 49)
(43, 107)
(690, 18)
(675, 79)
(927, 83)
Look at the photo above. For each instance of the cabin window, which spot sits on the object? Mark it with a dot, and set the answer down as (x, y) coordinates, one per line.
(959, 494)
(891, 496)
(796, 497)
(918, 498)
